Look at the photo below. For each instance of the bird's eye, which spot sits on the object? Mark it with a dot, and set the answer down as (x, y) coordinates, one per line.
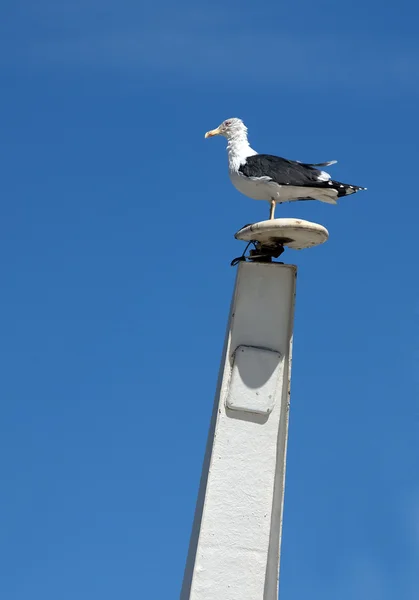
(227, 123)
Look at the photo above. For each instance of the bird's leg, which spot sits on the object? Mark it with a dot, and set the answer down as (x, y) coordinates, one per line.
(272, 211)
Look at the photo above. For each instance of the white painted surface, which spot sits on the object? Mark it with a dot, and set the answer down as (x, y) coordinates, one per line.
(299, 233)
(254, 380)
(235, 541)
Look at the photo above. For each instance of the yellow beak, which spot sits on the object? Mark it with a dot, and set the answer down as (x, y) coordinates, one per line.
(212, 132)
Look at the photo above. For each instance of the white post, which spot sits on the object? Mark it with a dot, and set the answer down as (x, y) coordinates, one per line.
(235, 542)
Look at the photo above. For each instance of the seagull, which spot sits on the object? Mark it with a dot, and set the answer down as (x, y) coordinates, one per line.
(275, 179)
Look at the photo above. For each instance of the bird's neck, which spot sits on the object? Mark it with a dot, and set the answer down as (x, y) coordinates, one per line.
(238, 149)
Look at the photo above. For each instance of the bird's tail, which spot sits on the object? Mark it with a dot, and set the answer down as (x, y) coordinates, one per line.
(344, 189)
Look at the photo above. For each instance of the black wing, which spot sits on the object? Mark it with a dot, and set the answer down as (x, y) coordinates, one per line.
(282, 170)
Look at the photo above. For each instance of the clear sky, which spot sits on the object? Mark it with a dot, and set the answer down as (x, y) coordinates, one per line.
(116, 236)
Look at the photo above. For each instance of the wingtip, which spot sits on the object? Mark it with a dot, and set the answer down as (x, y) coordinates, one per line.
(324, 164)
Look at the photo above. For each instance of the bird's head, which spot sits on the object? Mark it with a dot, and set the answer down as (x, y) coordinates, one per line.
(229, 128)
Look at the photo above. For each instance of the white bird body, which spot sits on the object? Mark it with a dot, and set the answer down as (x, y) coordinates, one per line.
(263, 188)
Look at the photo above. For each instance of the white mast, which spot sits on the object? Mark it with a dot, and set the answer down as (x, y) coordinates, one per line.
(235, 543)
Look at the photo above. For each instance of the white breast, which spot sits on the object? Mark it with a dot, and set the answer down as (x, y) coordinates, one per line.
(258, 188)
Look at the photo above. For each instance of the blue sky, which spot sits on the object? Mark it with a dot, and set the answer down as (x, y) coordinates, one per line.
(116, 234)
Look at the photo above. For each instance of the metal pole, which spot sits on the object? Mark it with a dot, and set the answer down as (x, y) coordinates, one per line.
(235, 543)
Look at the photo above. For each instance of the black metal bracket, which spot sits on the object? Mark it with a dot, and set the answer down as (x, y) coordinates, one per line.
(261, 252)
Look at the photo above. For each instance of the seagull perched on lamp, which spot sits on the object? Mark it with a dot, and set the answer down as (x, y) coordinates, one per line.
(275, 179)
